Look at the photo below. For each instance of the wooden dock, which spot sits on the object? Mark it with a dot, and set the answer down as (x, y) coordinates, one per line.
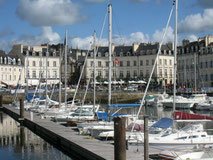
(68, 140)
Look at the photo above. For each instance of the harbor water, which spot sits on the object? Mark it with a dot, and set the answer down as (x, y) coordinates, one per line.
(19, 143)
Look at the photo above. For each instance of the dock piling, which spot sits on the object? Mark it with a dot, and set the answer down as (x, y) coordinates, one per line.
(146, 138)
(119, 138)
(21, 110)
(1, 101)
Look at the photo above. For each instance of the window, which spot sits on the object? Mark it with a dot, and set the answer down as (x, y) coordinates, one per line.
(34, 63)
(135, 73)
(170, 62)
(147, 73)
(106, 74)
(121, 63)
(10, 77)
(48, 74)
(165, 73)
(147, 62)
(99, 63)
(170, 72)
(128, 63)
(153, 61)
(165, 61)
(34, 74)
(48, 64)
(54, 63)
(135, 63)
(91, 63)
(128, 74)
(160, 61)
(141, 62)
(99, 73)
(55, 74)
(107, 64)
(114, 73)
(141, 73)
(206, 77)
(121, 74)
(206, 64)
(160, 73)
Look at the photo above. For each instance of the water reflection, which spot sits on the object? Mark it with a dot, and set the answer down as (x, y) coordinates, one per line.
(17, 142)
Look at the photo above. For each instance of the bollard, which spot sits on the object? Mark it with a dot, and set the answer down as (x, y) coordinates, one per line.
(146, 138)
(21, 109)
(1, 101)
(119, 138)
(31, 116)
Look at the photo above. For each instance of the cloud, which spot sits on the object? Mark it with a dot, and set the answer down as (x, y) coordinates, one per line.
(46, 35)
(205, 3)
(95, 1)
(49, 12)
(192, 38)
(6, 32)
(197, 23)
(84, 43)
(158, 35)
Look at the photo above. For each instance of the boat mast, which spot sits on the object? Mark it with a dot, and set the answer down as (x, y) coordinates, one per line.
(27, 78)
(60, 77)
(110, 54)
(46, 74)
(94, 72)
(175, 54)
(65, 76)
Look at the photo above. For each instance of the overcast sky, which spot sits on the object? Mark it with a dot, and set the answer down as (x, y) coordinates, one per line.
(32, 22)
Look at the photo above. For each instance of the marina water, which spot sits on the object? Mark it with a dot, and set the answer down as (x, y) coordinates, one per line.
(19, 143)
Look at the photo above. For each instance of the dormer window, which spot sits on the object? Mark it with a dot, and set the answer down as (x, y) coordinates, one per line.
(14, 61)
(19, 61)
(91, 55)
(128, 53)
(106, 54)
(121, 54)
(99, 54)
(1, 60)
(5, 60)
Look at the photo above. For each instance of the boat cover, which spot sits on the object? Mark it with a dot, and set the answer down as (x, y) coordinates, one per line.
(178, 115)
(163, 123)
(123, 105)
(104, 116)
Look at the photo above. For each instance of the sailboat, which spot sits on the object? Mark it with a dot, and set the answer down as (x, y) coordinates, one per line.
(192, 134)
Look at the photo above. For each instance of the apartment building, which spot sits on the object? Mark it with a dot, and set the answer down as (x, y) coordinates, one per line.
(133, 62)
(195, 63)
(11, 70)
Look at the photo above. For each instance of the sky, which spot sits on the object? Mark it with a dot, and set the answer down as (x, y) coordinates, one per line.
(33, 22)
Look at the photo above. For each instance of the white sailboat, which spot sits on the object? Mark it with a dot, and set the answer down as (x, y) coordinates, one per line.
(192, 134)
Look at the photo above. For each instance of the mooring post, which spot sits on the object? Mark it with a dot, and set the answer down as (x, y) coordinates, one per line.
(119, 138)
(21, 109)
(1, 101)
(146, 138)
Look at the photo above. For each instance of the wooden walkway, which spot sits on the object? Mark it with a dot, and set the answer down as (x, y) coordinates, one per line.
(69, 141)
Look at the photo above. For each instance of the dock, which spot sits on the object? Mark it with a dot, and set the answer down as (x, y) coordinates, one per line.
(67, 140)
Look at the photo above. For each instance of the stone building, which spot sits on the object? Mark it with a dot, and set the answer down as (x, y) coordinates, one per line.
(195, 63)
(135, 62)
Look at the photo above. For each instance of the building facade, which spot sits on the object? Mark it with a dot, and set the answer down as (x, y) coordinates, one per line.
(133, 62)
(11, 70)
(37, 63)
(195, 63)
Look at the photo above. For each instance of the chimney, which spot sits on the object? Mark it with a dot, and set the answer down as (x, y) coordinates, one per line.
(135, 46)
(185, 42)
